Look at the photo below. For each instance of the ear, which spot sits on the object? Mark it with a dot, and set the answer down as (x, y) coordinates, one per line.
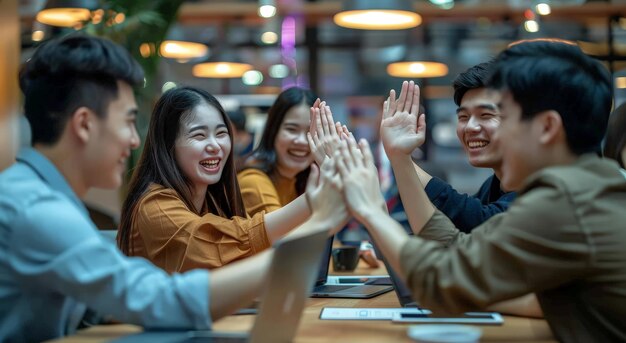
(81, 123)
(551, 127)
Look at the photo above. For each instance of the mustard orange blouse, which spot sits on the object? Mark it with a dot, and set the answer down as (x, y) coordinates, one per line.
(262, 193)
(168, 233)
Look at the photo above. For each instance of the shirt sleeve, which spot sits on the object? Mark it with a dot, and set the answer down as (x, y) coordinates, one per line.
(258, 192)
(506, 257)
(58, 248)
(177, 239)
(465, 211)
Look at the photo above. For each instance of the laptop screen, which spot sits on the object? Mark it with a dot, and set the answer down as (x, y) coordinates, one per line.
(325, 260)
(402, 290)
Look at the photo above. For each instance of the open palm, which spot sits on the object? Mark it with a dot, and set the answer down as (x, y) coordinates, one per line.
(402, 130)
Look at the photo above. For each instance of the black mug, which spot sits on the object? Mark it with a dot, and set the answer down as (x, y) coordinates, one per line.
(345, 259)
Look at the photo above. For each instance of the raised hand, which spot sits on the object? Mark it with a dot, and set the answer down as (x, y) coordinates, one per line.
(361, 188)
(324, 195)
(402, 128)
(324, 134)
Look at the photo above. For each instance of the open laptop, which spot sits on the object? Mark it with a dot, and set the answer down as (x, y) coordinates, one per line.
(324, 290)
(292, 272)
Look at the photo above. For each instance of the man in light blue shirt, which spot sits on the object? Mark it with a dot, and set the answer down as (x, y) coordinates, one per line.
(53, 262)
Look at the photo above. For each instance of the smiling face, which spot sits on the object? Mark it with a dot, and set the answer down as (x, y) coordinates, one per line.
(115, 136)
(478, 120)
(202, 147)
(292, 148)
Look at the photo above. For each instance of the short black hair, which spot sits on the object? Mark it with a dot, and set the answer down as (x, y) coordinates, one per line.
(67, 73)
(473, 78)
(544, 75)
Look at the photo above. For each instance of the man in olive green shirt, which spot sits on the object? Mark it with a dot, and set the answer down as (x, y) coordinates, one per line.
(563, 239)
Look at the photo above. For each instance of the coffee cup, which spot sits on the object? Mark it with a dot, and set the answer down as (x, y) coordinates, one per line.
(345, 259)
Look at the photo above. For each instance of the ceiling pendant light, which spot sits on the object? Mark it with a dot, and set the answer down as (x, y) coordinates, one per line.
(417, 69)
(377, 15)
(224, 65)
(182, 50)
(66, 13)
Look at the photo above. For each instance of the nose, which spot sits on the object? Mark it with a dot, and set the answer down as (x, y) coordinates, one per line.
(473, 124)
(212, 145)
(135, 141)
(301, 138)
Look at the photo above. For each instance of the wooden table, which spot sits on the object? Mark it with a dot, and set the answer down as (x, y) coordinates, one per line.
(312, 329)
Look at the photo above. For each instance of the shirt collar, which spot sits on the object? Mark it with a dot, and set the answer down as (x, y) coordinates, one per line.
(49, 174)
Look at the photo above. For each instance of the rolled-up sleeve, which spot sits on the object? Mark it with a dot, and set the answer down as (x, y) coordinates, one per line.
(508, 256)
(59, 249)
(177, 239)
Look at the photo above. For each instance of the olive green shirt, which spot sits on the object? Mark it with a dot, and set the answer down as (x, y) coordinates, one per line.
(564, 238)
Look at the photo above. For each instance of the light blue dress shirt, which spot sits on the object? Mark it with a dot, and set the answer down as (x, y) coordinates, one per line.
(54, 263)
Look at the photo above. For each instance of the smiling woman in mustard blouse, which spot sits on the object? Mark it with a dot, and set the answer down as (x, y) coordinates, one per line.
(276, 172)
(184, 209)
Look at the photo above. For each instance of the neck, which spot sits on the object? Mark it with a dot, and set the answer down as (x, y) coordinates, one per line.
(286, 173)
(69, 165)
(198, 198)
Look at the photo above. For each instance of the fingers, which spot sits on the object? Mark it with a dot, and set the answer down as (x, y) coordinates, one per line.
(341, 165)
(421, 124)
(319, 130)
(324, 117)
(368, 158)
(403, 96)
(329, 117)
(313, 117)
(312, 182)
(313, 142)
(415, 106)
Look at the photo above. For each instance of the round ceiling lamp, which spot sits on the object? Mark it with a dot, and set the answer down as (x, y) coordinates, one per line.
(182, 49)
(66, 13)
(220, 69)
(418, 69)
(377, 15)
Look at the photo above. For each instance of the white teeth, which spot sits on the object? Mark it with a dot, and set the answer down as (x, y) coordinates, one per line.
(477, 144)
(210, 164)
(299, 153)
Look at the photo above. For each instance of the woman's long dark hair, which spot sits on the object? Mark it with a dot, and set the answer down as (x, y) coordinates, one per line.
(157, 163)
(264, 156)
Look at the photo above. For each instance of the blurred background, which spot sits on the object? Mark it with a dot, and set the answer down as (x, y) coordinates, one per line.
(247, 51)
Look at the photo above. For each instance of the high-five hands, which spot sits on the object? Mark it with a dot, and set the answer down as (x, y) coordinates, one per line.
(361, 188)
(324, 134)
(402, 128)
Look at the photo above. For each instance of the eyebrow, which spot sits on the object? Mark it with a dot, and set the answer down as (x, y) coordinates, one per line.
(491, 107)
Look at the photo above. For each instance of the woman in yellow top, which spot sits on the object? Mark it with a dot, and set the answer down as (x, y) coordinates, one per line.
(184, 208)
(276, 172)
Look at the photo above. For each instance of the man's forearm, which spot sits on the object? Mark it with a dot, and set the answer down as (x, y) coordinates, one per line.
(417, 206)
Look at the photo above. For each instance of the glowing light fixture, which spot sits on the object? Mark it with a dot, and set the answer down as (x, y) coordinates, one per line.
(269, 37)
(38, 35)
(267, 8)
(220, 69)
(252, 78)
(66, 13)
(377, 15)
(531, 25)
(279, 71)
(620, 82)
(182, 50)
(543, 8)
(419, 69)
